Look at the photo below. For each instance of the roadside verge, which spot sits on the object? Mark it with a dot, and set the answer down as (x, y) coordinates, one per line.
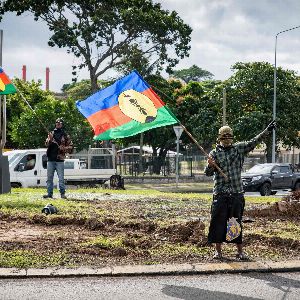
(154, 270)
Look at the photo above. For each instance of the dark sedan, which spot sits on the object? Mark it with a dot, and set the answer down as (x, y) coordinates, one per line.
(267, 178)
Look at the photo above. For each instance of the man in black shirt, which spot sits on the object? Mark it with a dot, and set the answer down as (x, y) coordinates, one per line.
(58, 143)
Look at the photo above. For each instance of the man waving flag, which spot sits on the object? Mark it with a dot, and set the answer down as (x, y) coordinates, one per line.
(127, 107)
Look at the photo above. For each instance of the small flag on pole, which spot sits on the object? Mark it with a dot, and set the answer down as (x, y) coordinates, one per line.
(126, 108)
(6, 86)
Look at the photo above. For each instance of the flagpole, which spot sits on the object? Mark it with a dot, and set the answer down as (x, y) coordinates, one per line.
(1, 103)
(1, 119)
(5, 186)
(203, 151)
(194, 140)
(24, 99)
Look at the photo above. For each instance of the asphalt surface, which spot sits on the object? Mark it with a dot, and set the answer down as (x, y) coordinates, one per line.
(242, 286)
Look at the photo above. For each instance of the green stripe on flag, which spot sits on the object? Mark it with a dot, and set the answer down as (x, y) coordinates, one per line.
(9, 89)
(163, 118)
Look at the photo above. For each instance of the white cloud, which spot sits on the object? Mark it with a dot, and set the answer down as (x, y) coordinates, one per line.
(224, 32)
(36, 60)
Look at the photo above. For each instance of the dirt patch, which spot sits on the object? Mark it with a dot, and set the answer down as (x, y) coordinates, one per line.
(288, 207)
(137, 230)
(19, 231)
(191, 231)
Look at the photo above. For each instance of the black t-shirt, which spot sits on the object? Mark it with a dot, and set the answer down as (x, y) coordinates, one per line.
(52, 150)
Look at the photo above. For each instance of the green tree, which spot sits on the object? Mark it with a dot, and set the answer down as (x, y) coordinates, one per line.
(136, 60)
(250, 102)
(194, 73)
(32, 93)
(78, 90)
(27, 131)
(104, 33)
(198, 108)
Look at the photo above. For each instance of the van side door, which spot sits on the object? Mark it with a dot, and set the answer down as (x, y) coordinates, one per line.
(43, 170)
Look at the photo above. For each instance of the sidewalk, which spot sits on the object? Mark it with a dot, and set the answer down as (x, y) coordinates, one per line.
(158, 270)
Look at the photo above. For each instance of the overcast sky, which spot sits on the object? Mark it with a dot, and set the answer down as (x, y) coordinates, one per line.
(224, 32)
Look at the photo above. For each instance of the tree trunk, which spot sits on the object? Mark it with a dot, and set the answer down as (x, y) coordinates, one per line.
(158, 162)
(94, 83)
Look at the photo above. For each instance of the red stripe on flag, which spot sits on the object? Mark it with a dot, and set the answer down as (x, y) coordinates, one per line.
(113, 117)
(154, 97)
(107, 118)
(4, 78)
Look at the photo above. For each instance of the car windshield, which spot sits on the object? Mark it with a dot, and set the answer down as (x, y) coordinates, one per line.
(11, 156)
(261, 169)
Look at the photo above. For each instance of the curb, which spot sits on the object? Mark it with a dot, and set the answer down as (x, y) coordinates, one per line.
(153, 270)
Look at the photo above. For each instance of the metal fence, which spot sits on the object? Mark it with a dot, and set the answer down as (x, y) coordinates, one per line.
(95, 158)
(189, 165)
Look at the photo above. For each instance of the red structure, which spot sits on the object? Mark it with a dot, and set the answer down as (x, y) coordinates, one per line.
(47, 78)
(24, 73)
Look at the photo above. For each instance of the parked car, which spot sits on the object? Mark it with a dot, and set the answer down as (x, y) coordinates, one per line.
(268, 178)
(28, 168)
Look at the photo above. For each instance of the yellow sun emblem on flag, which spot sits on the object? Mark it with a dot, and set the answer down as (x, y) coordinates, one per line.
(2, 85)
(137, 106)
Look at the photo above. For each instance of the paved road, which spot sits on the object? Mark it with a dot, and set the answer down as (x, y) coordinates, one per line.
(223, 286)
(279, 193)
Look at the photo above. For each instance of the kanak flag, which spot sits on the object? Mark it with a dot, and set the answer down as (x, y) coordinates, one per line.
(126, 108)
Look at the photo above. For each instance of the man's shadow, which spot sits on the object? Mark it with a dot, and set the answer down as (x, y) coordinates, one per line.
(276, 281)
(191, 293)
(271, 279)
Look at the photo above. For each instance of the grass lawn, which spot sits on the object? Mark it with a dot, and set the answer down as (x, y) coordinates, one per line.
(140, 225)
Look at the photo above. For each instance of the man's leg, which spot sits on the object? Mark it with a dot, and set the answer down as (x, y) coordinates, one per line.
(50, 175)
(61, 181)
(218, 222)
(239, 204)
(218, 253)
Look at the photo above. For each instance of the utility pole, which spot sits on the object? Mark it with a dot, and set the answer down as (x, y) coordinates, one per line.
(224, 107)
(4, 166)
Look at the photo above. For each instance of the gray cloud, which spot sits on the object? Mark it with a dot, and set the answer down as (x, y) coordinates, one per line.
(224, 32)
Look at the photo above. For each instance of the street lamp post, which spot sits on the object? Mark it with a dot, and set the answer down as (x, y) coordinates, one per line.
(274, 98)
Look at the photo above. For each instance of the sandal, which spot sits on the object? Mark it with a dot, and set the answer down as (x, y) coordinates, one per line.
(242, 256)
(218, 255)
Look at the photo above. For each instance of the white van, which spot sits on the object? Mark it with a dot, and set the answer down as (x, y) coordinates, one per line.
(28, 168)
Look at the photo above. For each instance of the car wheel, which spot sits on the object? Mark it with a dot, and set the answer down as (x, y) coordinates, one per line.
(15, 185)
(265, 189)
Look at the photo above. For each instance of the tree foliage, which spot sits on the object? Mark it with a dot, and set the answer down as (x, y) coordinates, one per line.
(106, 33)
(28, 132)
(250, 94)
(198, 108)
(78, 90)
(25, 125)
(16, 106)
(194, 73)
(137, 60)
